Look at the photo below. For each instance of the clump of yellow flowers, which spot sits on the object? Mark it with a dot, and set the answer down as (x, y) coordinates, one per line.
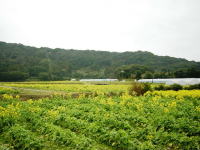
(175, 94)
(7, 96)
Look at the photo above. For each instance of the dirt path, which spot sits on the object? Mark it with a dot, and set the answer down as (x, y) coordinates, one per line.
(30, 90)
(29, 93)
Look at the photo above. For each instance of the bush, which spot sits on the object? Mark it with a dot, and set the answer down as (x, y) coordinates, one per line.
(161, 87)
(175, 87)
(193, 87)
(138, 88)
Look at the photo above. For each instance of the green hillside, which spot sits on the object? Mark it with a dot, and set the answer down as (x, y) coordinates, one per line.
(20, 62)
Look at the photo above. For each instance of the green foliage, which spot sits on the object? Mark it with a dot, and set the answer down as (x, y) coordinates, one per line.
(175, 87)
(147, 75)
(138, 88)
(13, 76)
(160, 87)
(187, 72)
(44, 76)
(122, 122)
(19, 62)
(133, 71)
(193, 87)
(4, 90)
(22, 139)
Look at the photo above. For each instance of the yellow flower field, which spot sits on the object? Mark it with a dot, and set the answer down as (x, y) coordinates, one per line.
(157, 120)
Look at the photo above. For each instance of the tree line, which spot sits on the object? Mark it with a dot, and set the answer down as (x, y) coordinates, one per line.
(19, 62)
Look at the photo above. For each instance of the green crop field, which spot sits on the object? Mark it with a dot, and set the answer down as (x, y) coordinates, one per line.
(167, 120)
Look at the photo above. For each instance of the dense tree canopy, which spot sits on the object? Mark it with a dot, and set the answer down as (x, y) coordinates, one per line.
(21, 62)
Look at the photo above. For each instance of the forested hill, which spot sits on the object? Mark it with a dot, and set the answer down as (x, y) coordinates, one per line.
(19, 62)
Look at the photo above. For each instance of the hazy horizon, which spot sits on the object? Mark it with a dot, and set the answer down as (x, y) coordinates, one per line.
(165, 28)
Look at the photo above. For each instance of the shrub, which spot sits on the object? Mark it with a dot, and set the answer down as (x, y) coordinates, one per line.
(138, 88)
(193, 87)
(160, 87)
(176, 87)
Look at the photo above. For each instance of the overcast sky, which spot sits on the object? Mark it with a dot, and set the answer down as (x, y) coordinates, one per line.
(164, 27)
